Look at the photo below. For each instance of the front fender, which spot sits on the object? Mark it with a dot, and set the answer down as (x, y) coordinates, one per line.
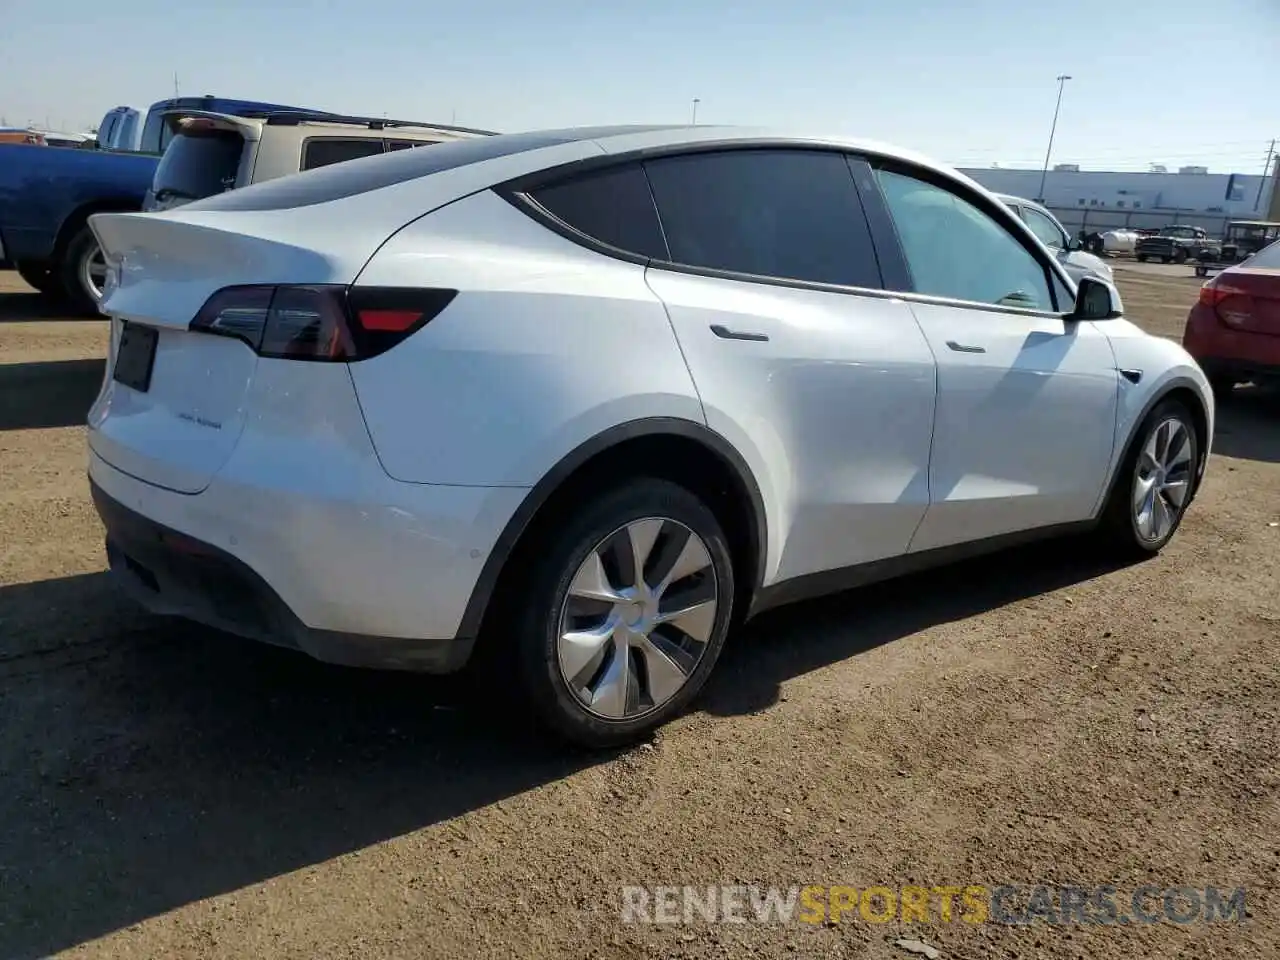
(1163, 366)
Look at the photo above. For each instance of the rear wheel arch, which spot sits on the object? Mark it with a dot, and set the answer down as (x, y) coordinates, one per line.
(682, 451)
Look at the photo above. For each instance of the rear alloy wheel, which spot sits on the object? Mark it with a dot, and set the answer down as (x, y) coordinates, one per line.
(83, 271)
(626, 615)
(1155, 483)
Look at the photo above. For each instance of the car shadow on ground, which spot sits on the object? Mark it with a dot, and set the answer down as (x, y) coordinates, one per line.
(21, 306)
(1248, 424)
(149, 764)
(48, 393)
(792, 641)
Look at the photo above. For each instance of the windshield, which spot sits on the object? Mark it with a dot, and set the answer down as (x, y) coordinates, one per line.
(197, 166)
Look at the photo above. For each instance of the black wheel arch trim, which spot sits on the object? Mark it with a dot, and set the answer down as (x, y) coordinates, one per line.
(483, 591)
(1169, 387)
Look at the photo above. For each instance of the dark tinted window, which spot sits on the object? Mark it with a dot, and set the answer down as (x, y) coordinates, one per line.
(152, 133)
(318, 152)
(793, 214)
(613, 206)
(348, 179)
(194, 167)
(409, 144)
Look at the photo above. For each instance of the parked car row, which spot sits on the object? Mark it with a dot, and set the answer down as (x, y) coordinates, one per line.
(567, 406)
(46, 198)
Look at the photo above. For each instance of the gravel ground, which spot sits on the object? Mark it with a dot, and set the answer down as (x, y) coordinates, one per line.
(1036, 717)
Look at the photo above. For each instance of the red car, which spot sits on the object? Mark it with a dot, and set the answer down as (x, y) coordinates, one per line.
(1234, 329)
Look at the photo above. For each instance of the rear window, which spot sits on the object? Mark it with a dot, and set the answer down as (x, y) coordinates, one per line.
(409, 144)
(1268, 256)
(322, 151)
(194, 167)
(348, 179)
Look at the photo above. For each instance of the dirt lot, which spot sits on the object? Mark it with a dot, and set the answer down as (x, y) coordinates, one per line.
(1042, 717)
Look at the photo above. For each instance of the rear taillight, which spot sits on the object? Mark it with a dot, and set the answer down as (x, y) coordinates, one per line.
(1231, 305)
(320, 322)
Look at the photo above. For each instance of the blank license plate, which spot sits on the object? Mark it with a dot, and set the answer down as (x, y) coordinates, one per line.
(136, 356)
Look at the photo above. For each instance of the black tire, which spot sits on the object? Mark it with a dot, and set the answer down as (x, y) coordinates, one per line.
(1142, 257)
(1165, 259)
(1119, 526)
(537, 625)
(1180, 255)
(38, 276)
(81, 247)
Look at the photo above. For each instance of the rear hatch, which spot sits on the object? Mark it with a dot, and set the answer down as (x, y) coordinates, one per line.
(175, 400)
(208, 154)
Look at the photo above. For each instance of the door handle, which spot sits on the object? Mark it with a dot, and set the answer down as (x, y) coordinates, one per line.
(724, 333)
(965, 348)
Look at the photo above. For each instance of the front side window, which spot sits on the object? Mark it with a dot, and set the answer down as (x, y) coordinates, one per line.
(320, 152)
(1046, 231)
(957, 251)
(777, 213)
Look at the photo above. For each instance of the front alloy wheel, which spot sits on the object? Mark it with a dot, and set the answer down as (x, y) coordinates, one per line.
(1155, 483)
(1162, 480)
(623, 615)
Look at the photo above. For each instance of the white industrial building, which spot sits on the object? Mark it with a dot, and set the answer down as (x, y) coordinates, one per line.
(1192, 190)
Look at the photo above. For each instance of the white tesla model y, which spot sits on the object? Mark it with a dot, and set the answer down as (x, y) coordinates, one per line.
(591, 397)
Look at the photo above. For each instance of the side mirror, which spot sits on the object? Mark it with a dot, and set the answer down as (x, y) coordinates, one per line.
(1096, 300)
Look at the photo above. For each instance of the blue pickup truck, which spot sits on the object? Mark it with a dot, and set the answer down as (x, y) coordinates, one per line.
(48, 193)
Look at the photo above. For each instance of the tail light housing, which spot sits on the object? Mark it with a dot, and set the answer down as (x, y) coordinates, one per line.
(320, 322)
(1232, 305)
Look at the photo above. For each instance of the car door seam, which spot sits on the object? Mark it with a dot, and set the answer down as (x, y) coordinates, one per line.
(671, 324)
(933, 428)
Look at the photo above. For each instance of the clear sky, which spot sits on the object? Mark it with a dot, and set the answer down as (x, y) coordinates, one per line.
(970, 82)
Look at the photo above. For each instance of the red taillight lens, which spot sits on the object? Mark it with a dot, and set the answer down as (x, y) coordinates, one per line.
(1232, 305)
(308, 323)
(320, 322)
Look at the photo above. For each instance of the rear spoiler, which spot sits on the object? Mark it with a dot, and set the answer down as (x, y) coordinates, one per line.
(199, 121)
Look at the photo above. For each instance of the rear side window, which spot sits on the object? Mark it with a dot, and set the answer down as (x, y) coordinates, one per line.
(194, 167)
(322, 151)
(790, 214)
(613, 206)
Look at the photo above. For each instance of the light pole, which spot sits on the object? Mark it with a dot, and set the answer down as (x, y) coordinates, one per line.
(696, 101)
(1062, 82)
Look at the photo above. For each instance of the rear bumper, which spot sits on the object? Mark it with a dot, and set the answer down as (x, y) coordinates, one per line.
(1223, 352)
(378, 579)
(173, 574)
